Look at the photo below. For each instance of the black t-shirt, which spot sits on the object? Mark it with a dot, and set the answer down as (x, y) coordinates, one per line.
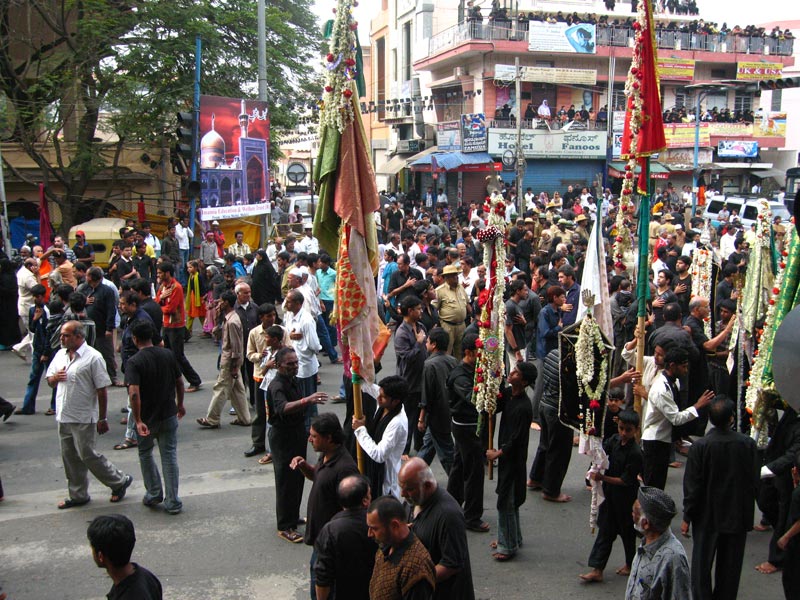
(518, 329)
(152, 308)
(140, 585)
(323, 500)
(155, 371)
(442, 530)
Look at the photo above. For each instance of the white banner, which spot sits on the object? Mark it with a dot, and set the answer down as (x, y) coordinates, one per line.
(562, 37)
(546, 144)
(547, 74)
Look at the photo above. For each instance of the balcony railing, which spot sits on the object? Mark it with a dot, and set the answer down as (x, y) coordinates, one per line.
(551, 124)
(614, 36)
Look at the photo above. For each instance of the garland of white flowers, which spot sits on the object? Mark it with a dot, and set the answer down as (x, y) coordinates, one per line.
(490, 363)
(340, 62)
(702, 275)
(756, 404)
(590, 340)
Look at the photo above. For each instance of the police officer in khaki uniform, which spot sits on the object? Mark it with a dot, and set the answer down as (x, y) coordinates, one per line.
(453, 305)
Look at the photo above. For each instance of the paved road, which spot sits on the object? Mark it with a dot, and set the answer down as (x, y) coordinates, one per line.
(224, 544)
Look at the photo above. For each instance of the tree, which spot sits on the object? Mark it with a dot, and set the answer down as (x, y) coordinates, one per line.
(64, 62)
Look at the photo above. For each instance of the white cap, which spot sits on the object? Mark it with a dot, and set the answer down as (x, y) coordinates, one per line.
(215, 222)
(296, 272)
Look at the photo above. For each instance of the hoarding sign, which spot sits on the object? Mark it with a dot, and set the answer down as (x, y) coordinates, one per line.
(473, 133)
(448, 136)
(234, 162)
(550, 144)
(562, 37)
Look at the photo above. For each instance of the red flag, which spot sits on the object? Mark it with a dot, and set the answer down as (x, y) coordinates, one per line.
(140, 212)
(644, 128)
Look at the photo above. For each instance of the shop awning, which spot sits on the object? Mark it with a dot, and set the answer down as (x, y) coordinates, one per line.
(657, 170)
(774, 173)
(393, 166)
(455, 161)
(418, 155)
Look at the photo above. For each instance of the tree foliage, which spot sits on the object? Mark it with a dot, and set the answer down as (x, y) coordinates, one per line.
(63, 63)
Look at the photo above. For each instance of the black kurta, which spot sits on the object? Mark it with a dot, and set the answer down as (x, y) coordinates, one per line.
(512, 439)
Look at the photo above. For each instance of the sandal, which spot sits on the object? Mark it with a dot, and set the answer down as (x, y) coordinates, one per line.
(479, 527)
(50, 412)
(118, 494)
(126, 444)
(500, 557)
(240, 423)
(290, 535)
(70, 503)
(266, 459)
(206, 424)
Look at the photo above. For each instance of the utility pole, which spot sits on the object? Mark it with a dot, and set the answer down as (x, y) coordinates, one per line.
(5, 228)
(520, 152)
(263, 92)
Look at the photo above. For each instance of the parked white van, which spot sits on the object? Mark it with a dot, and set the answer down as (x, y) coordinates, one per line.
(745, 206)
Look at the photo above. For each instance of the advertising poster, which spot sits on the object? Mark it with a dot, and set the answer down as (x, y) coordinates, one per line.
(758, 70)
(681, 135)
(562, 37)
(676, 69)
(474, 137)
(737, 149)
(770, 125)
(234, 162)
(448, 136)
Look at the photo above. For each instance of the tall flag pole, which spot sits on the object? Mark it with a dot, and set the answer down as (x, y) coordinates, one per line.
(642, 137)
(348, 197)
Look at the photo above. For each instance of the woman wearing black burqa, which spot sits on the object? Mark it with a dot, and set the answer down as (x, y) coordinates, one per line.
(9, 321)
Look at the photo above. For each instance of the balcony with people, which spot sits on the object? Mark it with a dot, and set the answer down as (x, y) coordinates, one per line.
(679, 33)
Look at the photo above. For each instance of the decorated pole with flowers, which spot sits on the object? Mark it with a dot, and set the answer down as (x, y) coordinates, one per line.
(490, 363)
(642, 137)
(348, 197)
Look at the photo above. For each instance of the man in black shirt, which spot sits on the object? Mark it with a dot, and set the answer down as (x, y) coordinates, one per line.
(287, 440)
(155, 389)
(440, 526)
(101, 306)
(345, 552)
(112, 538)
(465, 482)
(434, 414)
(148, 305)
(334, 464)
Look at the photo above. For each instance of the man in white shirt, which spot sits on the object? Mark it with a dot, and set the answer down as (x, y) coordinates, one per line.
(184, 235)
(78, 373)
(442, 197)
(385, 439)
(308, 243)
(727, 242)
(529, 203)
(662, 414)
(302, 328)
(150, 239)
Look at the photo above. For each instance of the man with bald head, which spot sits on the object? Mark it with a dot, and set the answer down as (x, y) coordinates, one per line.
(439, 524)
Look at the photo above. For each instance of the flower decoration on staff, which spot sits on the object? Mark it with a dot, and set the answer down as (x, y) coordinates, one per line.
(591, 359)
(761, 384)
(490, 366)
(340, 65)
(702, 276)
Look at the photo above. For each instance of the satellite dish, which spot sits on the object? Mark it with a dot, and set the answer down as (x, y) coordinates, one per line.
(786, 357)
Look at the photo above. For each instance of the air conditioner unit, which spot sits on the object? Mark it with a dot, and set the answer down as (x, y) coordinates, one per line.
(460, 72)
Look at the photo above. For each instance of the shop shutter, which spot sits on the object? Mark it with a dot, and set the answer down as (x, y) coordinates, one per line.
(555, 175)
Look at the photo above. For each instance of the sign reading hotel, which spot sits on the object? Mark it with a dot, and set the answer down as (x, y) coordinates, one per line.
(473, 132)
(681, 135)
(676, 69)
(562, 37)
(554, 144)
(234, 165)
(448, 136)
(758, 70)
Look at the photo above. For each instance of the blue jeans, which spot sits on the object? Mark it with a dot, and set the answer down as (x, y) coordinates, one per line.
(326, 318)
(37, 368)
(441, 445)
(181, 273)
(166, 432)
(325, 339)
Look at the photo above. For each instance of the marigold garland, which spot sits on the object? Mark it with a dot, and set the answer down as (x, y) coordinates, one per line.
(590, 340)
(702, 274)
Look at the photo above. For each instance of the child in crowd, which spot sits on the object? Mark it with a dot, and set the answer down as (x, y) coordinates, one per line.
(620, 486)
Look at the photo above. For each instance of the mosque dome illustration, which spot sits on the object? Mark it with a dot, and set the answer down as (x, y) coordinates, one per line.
(212, 149)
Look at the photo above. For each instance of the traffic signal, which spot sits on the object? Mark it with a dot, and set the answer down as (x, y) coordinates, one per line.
(184, 149)
(778, 84)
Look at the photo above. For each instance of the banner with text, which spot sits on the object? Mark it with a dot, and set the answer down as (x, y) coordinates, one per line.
(681, 135)
(548, 75)
(758, 70)
(448, 136)
(473, 133)
(552, 144)
(676, 69)
(234, 161)
(562, 37)
(738, 149)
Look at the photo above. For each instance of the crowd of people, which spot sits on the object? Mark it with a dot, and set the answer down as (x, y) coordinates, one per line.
(268, 310)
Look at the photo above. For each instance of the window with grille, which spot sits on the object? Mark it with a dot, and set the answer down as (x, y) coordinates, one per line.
(743, 101)
(777, 97)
